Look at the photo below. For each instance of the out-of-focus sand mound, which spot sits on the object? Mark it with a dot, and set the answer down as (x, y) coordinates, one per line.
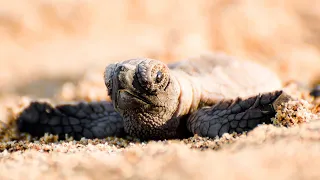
(45, 42)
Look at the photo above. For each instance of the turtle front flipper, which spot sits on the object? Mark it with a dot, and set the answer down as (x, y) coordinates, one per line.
(236, 115)
(89, 120)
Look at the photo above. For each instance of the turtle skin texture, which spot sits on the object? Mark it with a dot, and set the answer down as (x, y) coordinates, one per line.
(208, 95)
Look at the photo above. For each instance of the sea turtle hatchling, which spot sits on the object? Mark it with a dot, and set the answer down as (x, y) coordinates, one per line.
(208, 96)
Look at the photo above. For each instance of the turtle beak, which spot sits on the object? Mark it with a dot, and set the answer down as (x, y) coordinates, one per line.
(126, 100)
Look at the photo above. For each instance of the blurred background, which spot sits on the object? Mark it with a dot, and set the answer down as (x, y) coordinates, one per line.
(45, 43)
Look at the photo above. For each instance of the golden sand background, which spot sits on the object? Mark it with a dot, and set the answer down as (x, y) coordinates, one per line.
(43, 43)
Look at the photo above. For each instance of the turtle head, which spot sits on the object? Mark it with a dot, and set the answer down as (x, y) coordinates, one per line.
(146, 95)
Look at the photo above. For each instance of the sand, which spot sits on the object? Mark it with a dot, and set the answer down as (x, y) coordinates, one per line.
(265, 153)
(57, 50)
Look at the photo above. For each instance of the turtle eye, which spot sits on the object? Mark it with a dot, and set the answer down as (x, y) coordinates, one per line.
(159, 77)
(153, 76)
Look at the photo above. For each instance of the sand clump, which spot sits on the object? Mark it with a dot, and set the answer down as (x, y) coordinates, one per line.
(294, 112)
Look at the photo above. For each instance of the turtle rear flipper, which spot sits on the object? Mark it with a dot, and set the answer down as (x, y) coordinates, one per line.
(236, 115)
(89, 120)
